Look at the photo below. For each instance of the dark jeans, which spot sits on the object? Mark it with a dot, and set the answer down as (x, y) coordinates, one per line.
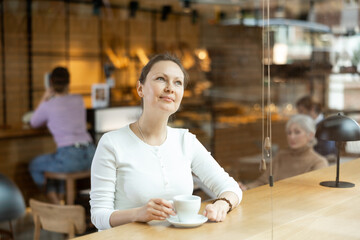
(65, 159)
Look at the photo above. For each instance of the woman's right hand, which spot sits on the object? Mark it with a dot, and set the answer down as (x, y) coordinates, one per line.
(242, 186)
(49, 93)
(155, 209)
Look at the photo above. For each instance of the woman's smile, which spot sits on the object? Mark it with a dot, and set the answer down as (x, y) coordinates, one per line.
(167, 99)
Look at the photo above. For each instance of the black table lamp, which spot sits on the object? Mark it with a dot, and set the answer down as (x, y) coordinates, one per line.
(12, 203)
(338, 128)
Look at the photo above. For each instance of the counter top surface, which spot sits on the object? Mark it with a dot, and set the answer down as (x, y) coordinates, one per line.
(21, 131)
(295, 208)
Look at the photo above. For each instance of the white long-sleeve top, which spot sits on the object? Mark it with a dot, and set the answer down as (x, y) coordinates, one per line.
(126, 172)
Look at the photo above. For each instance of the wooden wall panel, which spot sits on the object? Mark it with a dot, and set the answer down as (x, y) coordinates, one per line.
(189, 32)
(49, 27)
(140, 32)
(167, 33)
(16, 155)
(16, 61)
(236, 59)
(84, 30)
(113, 28)
(84, 73)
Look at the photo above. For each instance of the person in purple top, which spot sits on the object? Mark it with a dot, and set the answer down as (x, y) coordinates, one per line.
(64, 115)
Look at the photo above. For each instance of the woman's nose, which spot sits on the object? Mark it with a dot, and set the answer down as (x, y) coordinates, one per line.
(169, 87)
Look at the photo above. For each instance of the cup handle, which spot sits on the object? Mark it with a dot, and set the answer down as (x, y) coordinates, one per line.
(172, 203)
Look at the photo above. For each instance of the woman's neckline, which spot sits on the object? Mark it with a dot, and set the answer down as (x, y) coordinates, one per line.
(144, 142)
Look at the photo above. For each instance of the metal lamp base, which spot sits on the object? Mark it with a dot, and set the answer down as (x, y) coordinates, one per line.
(338, 185)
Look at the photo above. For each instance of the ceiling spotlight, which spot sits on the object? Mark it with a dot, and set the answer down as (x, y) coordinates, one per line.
(186, 6)
(133, 7)
(194, 16)
(166, 10)
(97, 6)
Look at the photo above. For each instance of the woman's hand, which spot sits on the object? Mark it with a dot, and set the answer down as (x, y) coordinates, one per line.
(242, 186)
(217, 211)
(155, 209)
(49, 93)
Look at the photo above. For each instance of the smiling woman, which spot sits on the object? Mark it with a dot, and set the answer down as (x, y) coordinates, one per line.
(164, 87)
(138, 169)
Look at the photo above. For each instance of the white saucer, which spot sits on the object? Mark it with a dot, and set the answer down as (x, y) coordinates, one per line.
(199, 220)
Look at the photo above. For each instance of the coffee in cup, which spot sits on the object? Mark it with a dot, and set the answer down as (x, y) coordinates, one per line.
(187, 207)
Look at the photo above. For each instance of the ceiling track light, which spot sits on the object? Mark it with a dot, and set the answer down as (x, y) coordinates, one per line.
(194, 16)
(166, 10)
(133, 7)
(186, 5)
(97, 6)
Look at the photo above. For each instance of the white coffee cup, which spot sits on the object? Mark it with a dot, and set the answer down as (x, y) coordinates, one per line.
(187, 207)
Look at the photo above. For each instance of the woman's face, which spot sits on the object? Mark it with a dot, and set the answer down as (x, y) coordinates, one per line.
(163, 88)
(297, 137)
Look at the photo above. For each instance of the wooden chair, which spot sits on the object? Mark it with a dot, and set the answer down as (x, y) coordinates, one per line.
(58, 218)
(70, 179)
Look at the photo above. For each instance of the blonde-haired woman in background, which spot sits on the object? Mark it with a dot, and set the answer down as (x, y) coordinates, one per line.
(298, 158)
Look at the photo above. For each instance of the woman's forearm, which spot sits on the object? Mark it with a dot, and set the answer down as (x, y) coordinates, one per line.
(121, 217)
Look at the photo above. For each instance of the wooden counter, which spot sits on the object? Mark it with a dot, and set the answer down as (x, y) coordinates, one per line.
(21, 131)
(299, 209)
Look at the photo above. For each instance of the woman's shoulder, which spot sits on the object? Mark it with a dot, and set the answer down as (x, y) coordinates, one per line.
(180, 132)
(116, 134)
(318, 161)
(75, 97)
(175, 130)
(66, 99)
(317, 156)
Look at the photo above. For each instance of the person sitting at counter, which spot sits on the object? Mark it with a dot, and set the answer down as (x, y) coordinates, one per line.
(306, 105)
(298, 158)
(139, 168)
(65, 116)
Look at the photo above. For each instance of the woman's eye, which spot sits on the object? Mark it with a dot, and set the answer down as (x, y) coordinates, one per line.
(160, 78)
(179, 83)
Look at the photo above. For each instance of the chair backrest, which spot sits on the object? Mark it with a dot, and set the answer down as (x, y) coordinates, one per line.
(68, 219)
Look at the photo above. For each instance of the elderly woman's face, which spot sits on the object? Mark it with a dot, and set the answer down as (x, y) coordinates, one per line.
(297, 137)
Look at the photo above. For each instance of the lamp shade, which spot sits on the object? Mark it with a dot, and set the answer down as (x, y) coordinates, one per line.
(12, 203)
(338, 128)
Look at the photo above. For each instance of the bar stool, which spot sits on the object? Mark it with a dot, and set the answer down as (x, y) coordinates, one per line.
(70, 179)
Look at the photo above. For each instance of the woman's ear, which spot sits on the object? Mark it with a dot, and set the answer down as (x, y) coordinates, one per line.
(311, 136)
(139, 89)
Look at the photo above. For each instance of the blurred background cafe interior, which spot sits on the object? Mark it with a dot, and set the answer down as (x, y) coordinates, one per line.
(308, 48)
